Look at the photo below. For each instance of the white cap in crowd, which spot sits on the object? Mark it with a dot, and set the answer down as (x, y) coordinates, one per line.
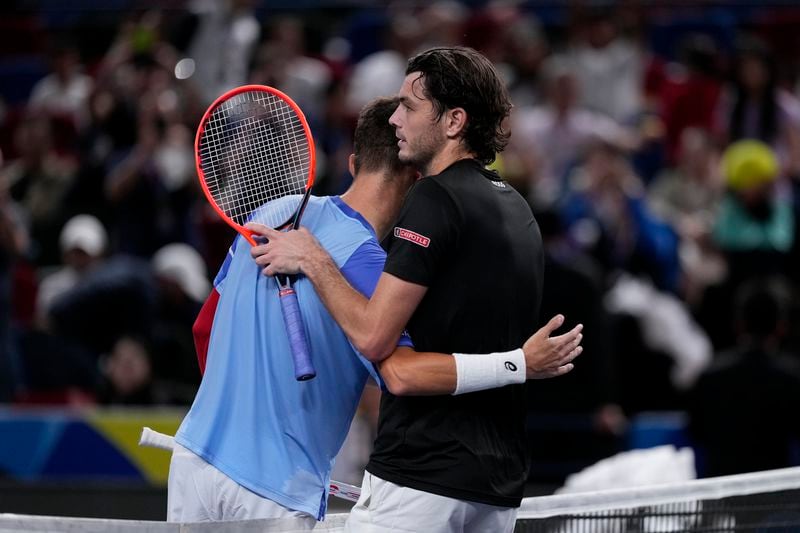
(183, 265)
(84, 232)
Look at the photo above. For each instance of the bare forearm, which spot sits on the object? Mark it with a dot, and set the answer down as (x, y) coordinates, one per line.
(410, 373)
(349, 308)
(373, 325)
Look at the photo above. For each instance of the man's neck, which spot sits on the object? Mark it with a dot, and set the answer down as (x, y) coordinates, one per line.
(450, 153)
(377, 200)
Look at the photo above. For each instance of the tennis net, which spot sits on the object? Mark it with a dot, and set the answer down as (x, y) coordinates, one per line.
(758, 502)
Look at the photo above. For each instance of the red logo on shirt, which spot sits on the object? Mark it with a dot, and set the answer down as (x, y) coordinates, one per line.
(416, 238)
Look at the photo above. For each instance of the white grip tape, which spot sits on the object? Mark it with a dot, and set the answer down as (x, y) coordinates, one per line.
(154, 439)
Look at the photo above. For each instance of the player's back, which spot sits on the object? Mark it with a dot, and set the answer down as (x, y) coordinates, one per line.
(251, 418)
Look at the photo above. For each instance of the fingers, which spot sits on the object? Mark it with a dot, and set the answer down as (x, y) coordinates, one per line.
(560, 353)
(261, 229)
(565, 360)
(552, 325)
(571, 355)
(554, 372)
(568, 336)
(567, 345)
(259, 253)
(563, 369)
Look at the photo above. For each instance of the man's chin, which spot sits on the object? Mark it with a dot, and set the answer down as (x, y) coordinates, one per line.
(405, 157)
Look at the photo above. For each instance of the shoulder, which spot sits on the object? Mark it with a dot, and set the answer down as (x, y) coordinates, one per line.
(436, 186)
(432, 196)
(456, 179)
(340, 233)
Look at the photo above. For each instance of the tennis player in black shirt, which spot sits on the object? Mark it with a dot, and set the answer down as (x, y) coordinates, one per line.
(464, 275)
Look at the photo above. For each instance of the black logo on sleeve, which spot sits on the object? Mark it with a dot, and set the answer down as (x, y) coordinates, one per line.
(511, 366)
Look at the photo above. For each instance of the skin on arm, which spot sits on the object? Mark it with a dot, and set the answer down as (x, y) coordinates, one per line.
(407, 372)
(373, 325)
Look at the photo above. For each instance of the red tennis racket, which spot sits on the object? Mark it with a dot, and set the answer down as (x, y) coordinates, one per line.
(255, 160)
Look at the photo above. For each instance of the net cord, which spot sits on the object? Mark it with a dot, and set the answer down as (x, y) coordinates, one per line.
(696, 490)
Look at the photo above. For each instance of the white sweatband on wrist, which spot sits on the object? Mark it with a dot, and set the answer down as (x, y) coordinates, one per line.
(476, 372)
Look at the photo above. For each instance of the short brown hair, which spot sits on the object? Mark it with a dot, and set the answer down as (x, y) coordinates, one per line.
(374, 141)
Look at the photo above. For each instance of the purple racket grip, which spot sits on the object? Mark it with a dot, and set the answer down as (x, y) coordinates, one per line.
(301, 355)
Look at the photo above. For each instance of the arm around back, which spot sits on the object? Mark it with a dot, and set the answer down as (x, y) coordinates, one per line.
(373, 325)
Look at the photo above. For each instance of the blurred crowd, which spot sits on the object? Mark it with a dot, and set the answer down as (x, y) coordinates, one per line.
(658, 146)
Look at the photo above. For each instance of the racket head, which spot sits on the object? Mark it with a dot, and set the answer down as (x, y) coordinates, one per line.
(255, 157)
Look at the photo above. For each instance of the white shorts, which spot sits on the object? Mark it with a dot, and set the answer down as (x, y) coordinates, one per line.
(386, 507)
(198, 492)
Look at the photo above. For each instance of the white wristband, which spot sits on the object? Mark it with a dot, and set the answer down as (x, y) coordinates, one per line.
(476, 372)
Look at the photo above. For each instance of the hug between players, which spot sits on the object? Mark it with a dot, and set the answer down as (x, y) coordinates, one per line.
(468, 230)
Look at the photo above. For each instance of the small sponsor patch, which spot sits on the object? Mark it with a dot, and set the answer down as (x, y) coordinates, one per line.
(411, 236)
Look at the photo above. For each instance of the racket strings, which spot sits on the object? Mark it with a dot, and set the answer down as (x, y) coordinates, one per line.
(255, 158)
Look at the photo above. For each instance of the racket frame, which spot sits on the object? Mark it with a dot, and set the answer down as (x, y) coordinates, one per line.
(294, 220)
(304, 368)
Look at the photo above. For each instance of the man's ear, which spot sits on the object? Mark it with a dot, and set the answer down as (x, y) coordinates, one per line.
(351, 164)
(455, 122)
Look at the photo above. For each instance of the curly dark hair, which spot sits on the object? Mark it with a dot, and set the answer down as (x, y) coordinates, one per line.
(462, 77)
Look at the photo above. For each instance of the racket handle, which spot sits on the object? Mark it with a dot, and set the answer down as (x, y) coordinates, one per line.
(301, 355)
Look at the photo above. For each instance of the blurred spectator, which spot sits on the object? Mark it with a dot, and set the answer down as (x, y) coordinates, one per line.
(334, 136)
(664, 328)
(225, 37)
(281, 62)
(609, 67)
(63, 95)
(130, 380)
(607, 216)
(13, 245)
(56, 368)
(756, 221)
(39, 180)
(381, 73)
(743, 408)
(687, 197)
(526, 49)
(690, 93)
(577, 419)
(548, 140)
(755, 107)
(151, 189)
(488, 30)
(83, 241)
(183, 287)
(115, 298)
(754, 229)
(443, 24)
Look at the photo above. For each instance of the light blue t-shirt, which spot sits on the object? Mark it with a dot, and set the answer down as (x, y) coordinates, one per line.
(251, 419)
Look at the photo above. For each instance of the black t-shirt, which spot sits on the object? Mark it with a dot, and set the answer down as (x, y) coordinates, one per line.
(473, 241)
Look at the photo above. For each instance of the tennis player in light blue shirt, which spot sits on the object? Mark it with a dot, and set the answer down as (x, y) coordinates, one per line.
(251, 419)
(252, 425)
